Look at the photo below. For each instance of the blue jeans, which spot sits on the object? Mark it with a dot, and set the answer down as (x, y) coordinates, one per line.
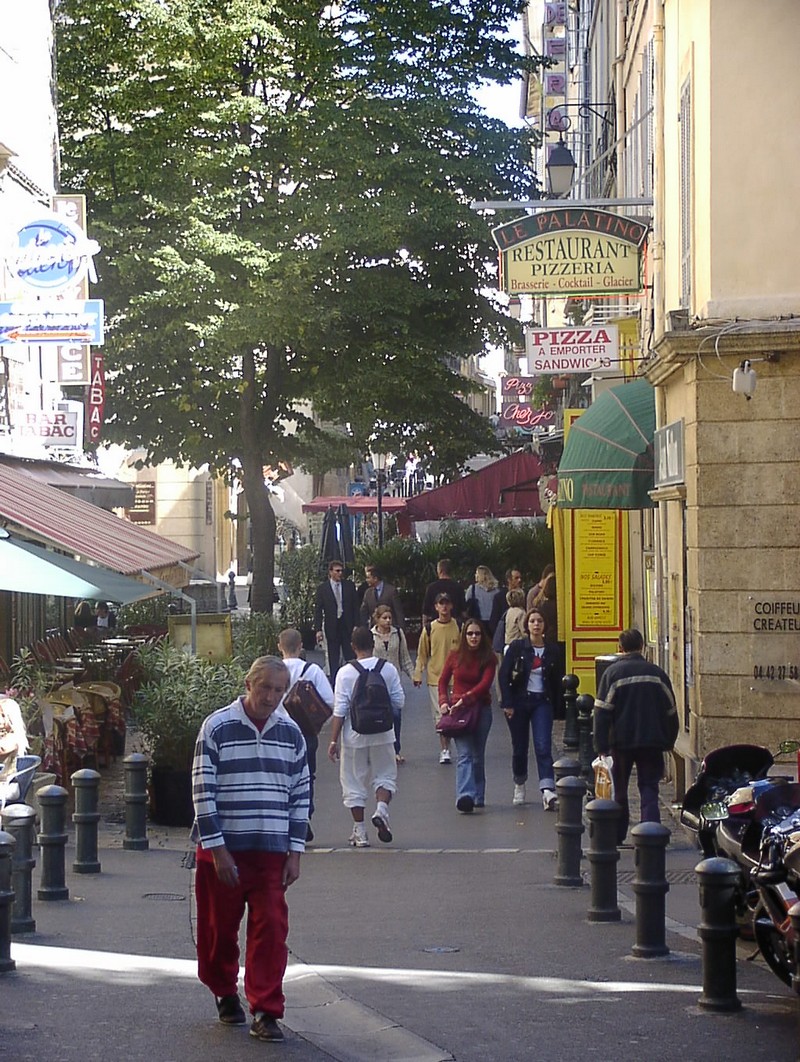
(471, 759)
(533, 716)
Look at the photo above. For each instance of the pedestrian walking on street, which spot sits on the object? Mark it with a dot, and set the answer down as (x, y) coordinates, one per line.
(335, 616)
(513, 582)
(635, 722)
(379, 592)
(528, 690)
(365, 760)
(436, 642)
(290, 645)
(535, 590)
(250, 792)
(390, 644)
(481, 596)
(444, 583)
(466, 680)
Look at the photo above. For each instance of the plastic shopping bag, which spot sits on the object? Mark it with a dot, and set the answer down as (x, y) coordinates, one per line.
(603, 778)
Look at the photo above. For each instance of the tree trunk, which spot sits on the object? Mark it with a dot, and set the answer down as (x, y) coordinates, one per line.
(262, 528)
(262, 516)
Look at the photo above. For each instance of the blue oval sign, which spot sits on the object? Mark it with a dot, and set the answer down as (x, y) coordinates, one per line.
(50, 254)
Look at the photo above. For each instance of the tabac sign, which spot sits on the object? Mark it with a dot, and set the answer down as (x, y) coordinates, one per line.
(572, 251)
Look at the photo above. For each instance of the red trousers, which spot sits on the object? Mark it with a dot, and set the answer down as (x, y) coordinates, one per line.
(220, 909)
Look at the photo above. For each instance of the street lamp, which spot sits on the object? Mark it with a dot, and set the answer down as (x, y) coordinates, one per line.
(380, 462)
(560, 168)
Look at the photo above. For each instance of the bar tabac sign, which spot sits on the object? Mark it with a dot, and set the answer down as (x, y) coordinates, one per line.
(569, 251)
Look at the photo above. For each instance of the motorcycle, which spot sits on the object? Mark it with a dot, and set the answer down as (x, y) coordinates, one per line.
(719, 806)
(771, 857)
(721, 809)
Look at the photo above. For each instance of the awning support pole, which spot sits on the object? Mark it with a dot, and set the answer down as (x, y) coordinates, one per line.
(177, 593)
(190, 568)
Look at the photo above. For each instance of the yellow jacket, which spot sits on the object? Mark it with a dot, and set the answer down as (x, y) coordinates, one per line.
(434, 649)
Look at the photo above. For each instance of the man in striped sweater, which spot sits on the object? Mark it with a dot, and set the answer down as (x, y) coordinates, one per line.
(250, 787)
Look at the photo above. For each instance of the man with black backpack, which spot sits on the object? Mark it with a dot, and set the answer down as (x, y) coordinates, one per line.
(366, 692)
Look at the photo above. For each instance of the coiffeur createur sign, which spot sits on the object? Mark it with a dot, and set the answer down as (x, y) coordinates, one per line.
(569, 251)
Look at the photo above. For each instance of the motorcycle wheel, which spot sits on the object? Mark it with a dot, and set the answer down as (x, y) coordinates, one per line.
(773, 945)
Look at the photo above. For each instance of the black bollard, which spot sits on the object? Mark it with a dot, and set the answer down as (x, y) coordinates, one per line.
(603, 856)
(794, 915)
(585, 704)
(569, 827)
(135, 803)
(566, 767)
(569, 685)
(7, 845)
(53, 842)
(718, 879)
(86, 818)
(18, 820)
(650, 840)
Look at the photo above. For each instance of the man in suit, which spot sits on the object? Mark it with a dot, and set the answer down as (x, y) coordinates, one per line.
(335, 616)
(379, 592)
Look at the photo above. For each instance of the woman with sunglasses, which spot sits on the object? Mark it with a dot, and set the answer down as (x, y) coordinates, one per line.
(470, 671)
(529, 677)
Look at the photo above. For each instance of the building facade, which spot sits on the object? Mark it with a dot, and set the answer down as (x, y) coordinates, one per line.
(665, 107)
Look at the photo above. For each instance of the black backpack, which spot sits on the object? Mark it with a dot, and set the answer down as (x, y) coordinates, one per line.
(370, 705)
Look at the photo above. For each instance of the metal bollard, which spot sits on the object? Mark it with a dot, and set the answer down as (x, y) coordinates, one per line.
(603, 856)
(53, 842)
(569, 685)
(585, 704)
(650, 840)
(569, 827)
(18, 820)
(794, 915)
(566, 767)
(135, 803)
(86, 818)
(718, 878)
(7, 844)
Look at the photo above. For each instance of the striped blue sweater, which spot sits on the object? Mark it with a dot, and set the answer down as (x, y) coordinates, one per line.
(250, 789)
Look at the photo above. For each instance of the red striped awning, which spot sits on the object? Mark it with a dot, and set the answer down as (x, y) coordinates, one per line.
(87, 531)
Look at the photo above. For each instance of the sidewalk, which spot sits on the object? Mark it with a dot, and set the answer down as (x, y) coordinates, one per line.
(450, 943)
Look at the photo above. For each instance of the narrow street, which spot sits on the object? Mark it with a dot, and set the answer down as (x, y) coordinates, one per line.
(450, 943)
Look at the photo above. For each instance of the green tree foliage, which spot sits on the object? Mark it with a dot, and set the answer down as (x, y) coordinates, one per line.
(281, 190)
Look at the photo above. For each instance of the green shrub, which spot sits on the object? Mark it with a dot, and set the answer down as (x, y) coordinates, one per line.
(254, 635)
(178, 691)
(410, 565)
(299, 570)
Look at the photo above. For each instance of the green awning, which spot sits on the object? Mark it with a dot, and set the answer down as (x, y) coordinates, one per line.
(29, 569)
(608, 457)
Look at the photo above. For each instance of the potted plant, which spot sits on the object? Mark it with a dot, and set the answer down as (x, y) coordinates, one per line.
(178, 691)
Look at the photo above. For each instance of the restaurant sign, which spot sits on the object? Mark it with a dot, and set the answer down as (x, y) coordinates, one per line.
(572, 252)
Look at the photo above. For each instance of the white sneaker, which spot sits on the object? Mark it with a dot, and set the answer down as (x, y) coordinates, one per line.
(519, 794)
(549, 800)
(358, 838)
(444, 756)
(380, 820)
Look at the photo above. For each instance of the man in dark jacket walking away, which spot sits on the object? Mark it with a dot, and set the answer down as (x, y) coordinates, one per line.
(636, 722)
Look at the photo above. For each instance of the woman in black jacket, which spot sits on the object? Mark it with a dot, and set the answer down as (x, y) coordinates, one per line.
(529, 677)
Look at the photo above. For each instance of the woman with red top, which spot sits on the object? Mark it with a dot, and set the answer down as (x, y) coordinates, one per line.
(470, 669)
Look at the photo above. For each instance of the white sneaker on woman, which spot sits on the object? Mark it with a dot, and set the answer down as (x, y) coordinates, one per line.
(519, 794)
(549, 800)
